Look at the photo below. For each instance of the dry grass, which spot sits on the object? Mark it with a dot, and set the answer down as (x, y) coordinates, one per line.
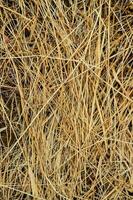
(66, 100)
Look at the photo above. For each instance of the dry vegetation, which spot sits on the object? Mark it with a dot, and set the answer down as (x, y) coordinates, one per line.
(66, 99)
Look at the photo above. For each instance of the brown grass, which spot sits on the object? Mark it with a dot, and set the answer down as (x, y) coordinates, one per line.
(66, 100)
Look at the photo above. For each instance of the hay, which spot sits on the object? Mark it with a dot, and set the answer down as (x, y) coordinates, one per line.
(66, 100)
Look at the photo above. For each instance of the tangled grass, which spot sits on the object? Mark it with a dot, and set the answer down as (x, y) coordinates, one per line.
(66, 100)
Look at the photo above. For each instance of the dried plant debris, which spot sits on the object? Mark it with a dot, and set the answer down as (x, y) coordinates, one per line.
(66, 100)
